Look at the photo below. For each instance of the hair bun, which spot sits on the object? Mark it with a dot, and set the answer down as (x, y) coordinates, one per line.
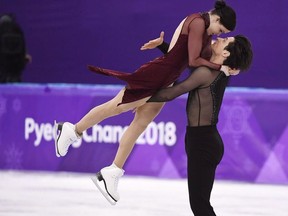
(219, 4)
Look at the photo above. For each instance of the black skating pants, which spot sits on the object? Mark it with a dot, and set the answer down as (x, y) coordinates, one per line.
(204, 149)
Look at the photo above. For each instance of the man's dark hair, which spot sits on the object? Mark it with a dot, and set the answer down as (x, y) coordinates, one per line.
(226, 13)
(241, 53)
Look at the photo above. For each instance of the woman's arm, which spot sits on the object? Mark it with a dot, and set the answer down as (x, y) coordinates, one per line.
(195, 40)
(158, 42)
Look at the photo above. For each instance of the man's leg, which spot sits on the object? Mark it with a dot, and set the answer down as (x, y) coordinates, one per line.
(204, 148)
(201, 174)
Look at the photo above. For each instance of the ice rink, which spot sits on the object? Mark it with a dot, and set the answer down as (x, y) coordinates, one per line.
(57, 194)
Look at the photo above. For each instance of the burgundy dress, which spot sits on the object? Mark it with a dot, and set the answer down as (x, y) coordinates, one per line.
(193, 48)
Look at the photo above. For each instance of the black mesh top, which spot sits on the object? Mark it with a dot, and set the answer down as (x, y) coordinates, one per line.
(206, 88)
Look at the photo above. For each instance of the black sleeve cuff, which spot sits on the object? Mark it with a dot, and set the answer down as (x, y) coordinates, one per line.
(163, 47)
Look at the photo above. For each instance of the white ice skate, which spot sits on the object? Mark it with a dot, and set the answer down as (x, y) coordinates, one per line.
(64, 136)
(110, 177)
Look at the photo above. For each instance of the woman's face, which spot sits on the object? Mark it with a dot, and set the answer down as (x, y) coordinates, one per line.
(215, 27)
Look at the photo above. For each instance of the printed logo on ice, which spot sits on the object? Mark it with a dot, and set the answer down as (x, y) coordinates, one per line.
(156, 133)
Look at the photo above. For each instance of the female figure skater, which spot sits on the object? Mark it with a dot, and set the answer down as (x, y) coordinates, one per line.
(192, 48)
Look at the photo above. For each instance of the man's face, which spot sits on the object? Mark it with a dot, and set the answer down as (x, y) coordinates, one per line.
(218, 47)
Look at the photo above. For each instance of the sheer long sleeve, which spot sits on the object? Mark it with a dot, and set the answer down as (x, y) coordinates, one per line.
(196, 30)
(200, 77)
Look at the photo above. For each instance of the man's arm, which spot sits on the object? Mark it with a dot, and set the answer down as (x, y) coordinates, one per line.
(200, 77)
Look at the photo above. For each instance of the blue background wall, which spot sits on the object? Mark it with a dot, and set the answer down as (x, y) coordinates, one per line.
(64, 36)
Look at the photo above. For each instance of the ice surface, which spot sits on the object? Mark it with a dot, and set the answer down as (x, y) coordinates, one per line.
(74, 194)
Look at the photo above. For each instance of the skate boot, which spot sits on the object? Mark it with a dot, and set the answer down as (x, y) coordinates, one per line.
(110, 177)
(64, 136)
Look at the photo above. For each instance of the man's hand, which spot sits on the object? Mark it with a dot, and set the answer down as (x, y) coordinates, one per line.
(153, 43)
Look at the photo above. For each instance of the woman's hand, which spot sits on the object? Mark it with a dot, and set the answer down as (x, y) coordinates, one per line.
(228, 71)
(233, 72)
(153, 43)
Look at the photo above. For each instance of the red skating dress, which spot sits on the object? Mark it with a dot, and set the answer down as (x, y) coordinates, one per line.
(192, 48)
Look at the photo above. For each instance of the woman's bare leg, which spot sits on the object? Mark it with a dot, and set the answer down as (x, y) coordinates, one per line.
(106, 110)
(143, 116)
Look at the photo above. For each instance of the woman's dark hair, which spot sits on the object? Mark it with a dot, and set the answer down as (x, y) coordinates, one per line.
(227, 14)
(241, 53)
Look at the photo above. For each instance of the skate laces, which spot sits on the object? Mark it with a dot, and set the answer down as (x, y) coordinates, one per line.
(69, 142)
(116, 182)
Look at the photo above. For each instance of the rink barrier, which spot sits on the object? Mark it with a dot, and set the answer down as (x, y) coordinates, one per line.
(252, 122)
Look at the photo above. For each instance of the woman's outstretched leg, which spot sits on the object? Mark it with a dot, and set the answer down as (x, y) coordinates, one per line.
(69, 133)
(103, 111)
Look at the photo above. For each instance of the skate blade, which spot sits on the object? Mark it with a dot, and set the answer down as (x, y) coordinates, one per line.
(104, 193)
(56, 137)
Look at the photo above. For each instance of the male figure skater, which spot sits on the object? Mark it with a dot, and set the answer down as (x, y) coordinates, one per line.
(203, 144)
